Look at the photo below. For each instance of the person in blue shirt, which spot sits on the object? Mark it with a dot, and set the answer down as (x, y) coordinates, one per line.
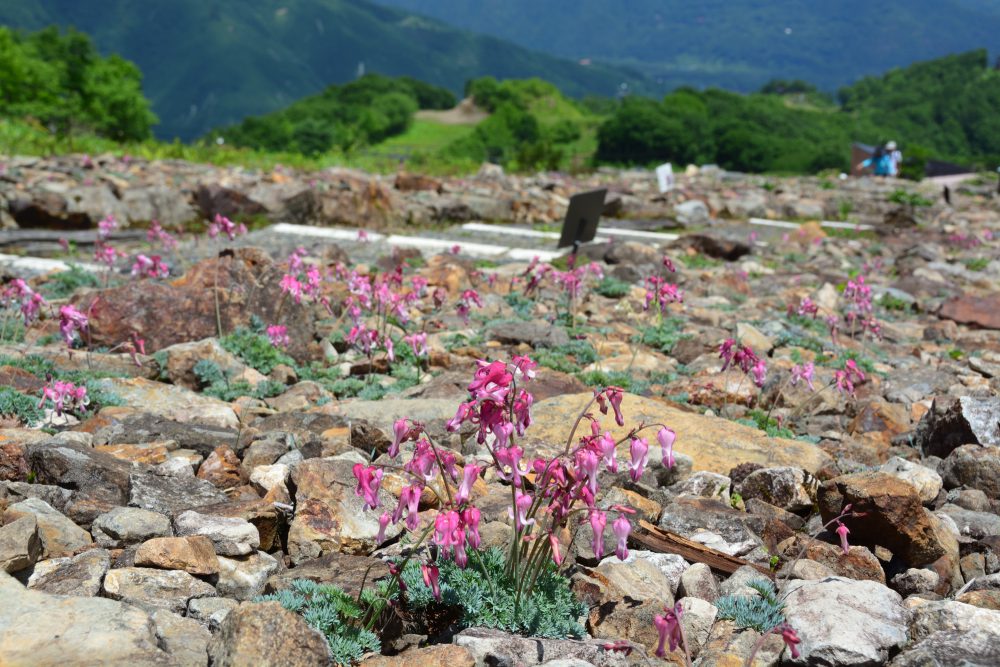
(884, 161)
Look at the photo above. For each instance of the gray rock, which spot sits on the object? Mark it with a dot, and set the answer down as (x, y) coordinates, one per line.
(244, 578)
(974, 467)
(43, 629)
(168, 495)
(493, 647)
(974, 524)
(736, 583)
(267, 635)
(56, 496)
(101, 481)
(845, 622)
(970, 499)
(20, 545)
(691, 212)
(146, 427)
(641, 578)
(782, 487)
(58, 534)
(949, 648)
(211, 611)
(698, 582)
(534, 333)
(185, 639)
(804, 568)
(953, 422)
(697, 619)
(927, 482)
(231, 536)
(704, 484)
(154, 589)
(80, 575)
(915, 581)
(123, 526)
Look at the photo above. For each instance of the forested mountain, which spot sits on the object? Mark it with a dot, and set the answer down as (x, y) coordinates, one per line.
(208, 63)
(735, 44)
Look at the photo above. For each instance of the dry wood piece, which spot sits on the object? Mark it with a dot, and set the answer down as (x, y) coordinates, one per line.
(662, 541)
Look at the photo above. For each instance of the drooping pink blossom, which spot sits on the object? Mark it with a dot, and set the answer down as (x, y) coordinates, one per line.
(621, 528)
(843, 532)
(64, 396)
(369, 478)
(790, 637)
(639, 451)
(804, 373)
(666, 438)
(469, 476)
(598, 521)
(431, 574)
(668, 626)
(71, 321)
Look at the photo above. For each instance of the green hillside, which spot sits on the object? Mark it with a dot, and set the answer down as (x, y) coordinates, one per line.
(209, 63)
(735, 44)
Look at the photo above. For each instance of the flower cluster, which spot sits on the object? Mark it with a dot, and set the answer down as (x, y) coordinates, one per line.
(572, 281)
(278, 335)
(661, 291)
(803, 373)
(71, 321)
(28, 301)
(846, 379)
(157, 234)
(65, 396)
(743, 357)
(223, 225)
(150, 267)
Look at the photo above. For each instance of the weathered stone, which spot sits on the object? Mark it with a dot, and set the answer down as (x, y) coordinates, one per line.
(697, 618)
(493, 647)
(101, 481)
(782, 487)
(211, 611)
(952, 422)
(154, 589)
(170, 494)
(180, 360)
(948, 647)
(981, 311)
(265, 478)
(345, 571)
(974, 467)
(858, 563)
(221, 468)
(977, 525)
(172, 402)
(707, 521)
(43, 629)
(13, 461)
(894, 516)
(194, 554)
(698, 581)
(704, 484)
(438, 655)
(983, 599)
(329, 516)
(79, 575)
(268, 635)
(849, 622)
(231, 536)
(185, 639)
(58, 534)
(147, 427)
(123, 526)
(20, 545)
(915, 581)
(927, 482)
(243, 578)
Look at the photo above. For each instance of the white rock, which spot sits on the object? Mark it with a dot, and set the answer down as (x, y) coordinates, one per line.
(927, 482)
(231, 536)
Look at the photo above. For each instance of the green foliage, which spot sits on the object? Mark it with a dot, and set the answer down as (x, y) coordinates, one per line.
(905, 198)
(12, 328)
(759, 420)
(255, 350)
(335, 614)
(567, 358)
(64, 283)
(61, 80)
(761, 612)
(216, 383)
(485, 596)
(840, 361)
(42, 368)
(523, 306)
(977, 263)
(626, 381)
(890, 302)
(664, 335)
(15, 404)
(612, 287)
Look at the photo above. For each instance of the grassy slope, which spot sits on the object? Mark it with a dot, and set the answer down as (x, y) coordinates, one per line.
(209, 63)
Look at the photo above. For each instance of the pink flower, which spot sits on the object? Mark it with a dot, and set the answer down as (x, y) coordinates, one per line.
(639, 450)
(469, 477)
(669, 627)
(790, 638)
(105, 227)
(369, 478)
(621, 528)
(509, 459)
(614, 396)
(278, 335)
(418, 342)
(759, 373)
(292, 286)
(431, 574)
(447, 529)
(150, 267)
(522, 503)
(383, 523)
(554, 544)
(156, 233)
(390, 349)
(465, 410)
(598, 520)
(409, 498)
(470, 518)
(586, 464)
(666, 438)
(803, 372)
(71, 320)
(606, 445)
(400, 434)
(362, 236)
(843, 532)
(223, 225)
(65, 396)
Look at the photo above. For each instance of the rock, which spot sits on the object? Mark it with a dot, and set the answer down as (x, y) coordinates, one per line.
(728, 645)
(895, 517)
(244, 578)
(147, 427)
(180, 360)
(58, 534)
(845, 622)
(101, 481)
(345, 571)
(716, 248)
(534, 333)
(915, 581)
(168, 495)
(194, 554)
(20, 545)
(175, 403)
(977, 525)
(927, 482)
(185, 639)
(697, 618)
(268, 635)
(715, 444)
(705, 485)
(211, 611)
(974, 467)
(782, 487)
(970, 499)
(221, 468)
(752, 337)
(717, 524)
(969, 309)
(328, 515)
(43, 629)
(642, 577)
(124, 526)
(947, 648)
(691, 212)
(230, 536)
(13, 462)
(952, 422)
(983, 599)
(437, 655)
(736, 583)
(859, 562)
(493, 647)
(155, 589)
(931, 618)
(698, 582)
(265, 478)
(805, 568)
(79, 575)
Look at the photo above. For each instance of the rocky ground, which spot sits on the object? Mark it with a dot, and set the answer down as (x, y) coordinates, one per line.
(142, 529)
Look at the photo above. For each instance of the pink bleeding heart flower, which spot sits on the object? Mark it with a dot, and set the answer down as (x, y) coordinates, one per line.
(666, 438)
(843, 532)
(598, 521)
(621, 528)
(639, 450)
(470, 519)
(469, 477)
(383, 523)
(431, 575)
(790, 637)
(522, 503)
(369, 478)
(669, 627)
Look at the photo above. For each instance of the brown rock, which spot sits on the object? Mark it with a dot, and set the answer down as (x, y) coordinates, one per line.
(439, 655)
(345, 571)
(21, 380)
(13, 463)
(151, 453)
(267, 635)
(222, 468)
(894, 517)
(988, 599)
(858, 563)
(416, 182)
(194, 554)
(969, 309)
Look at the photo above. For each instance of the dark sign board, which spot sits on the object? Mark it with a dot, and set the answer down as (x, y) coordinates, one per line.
(580, 225)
